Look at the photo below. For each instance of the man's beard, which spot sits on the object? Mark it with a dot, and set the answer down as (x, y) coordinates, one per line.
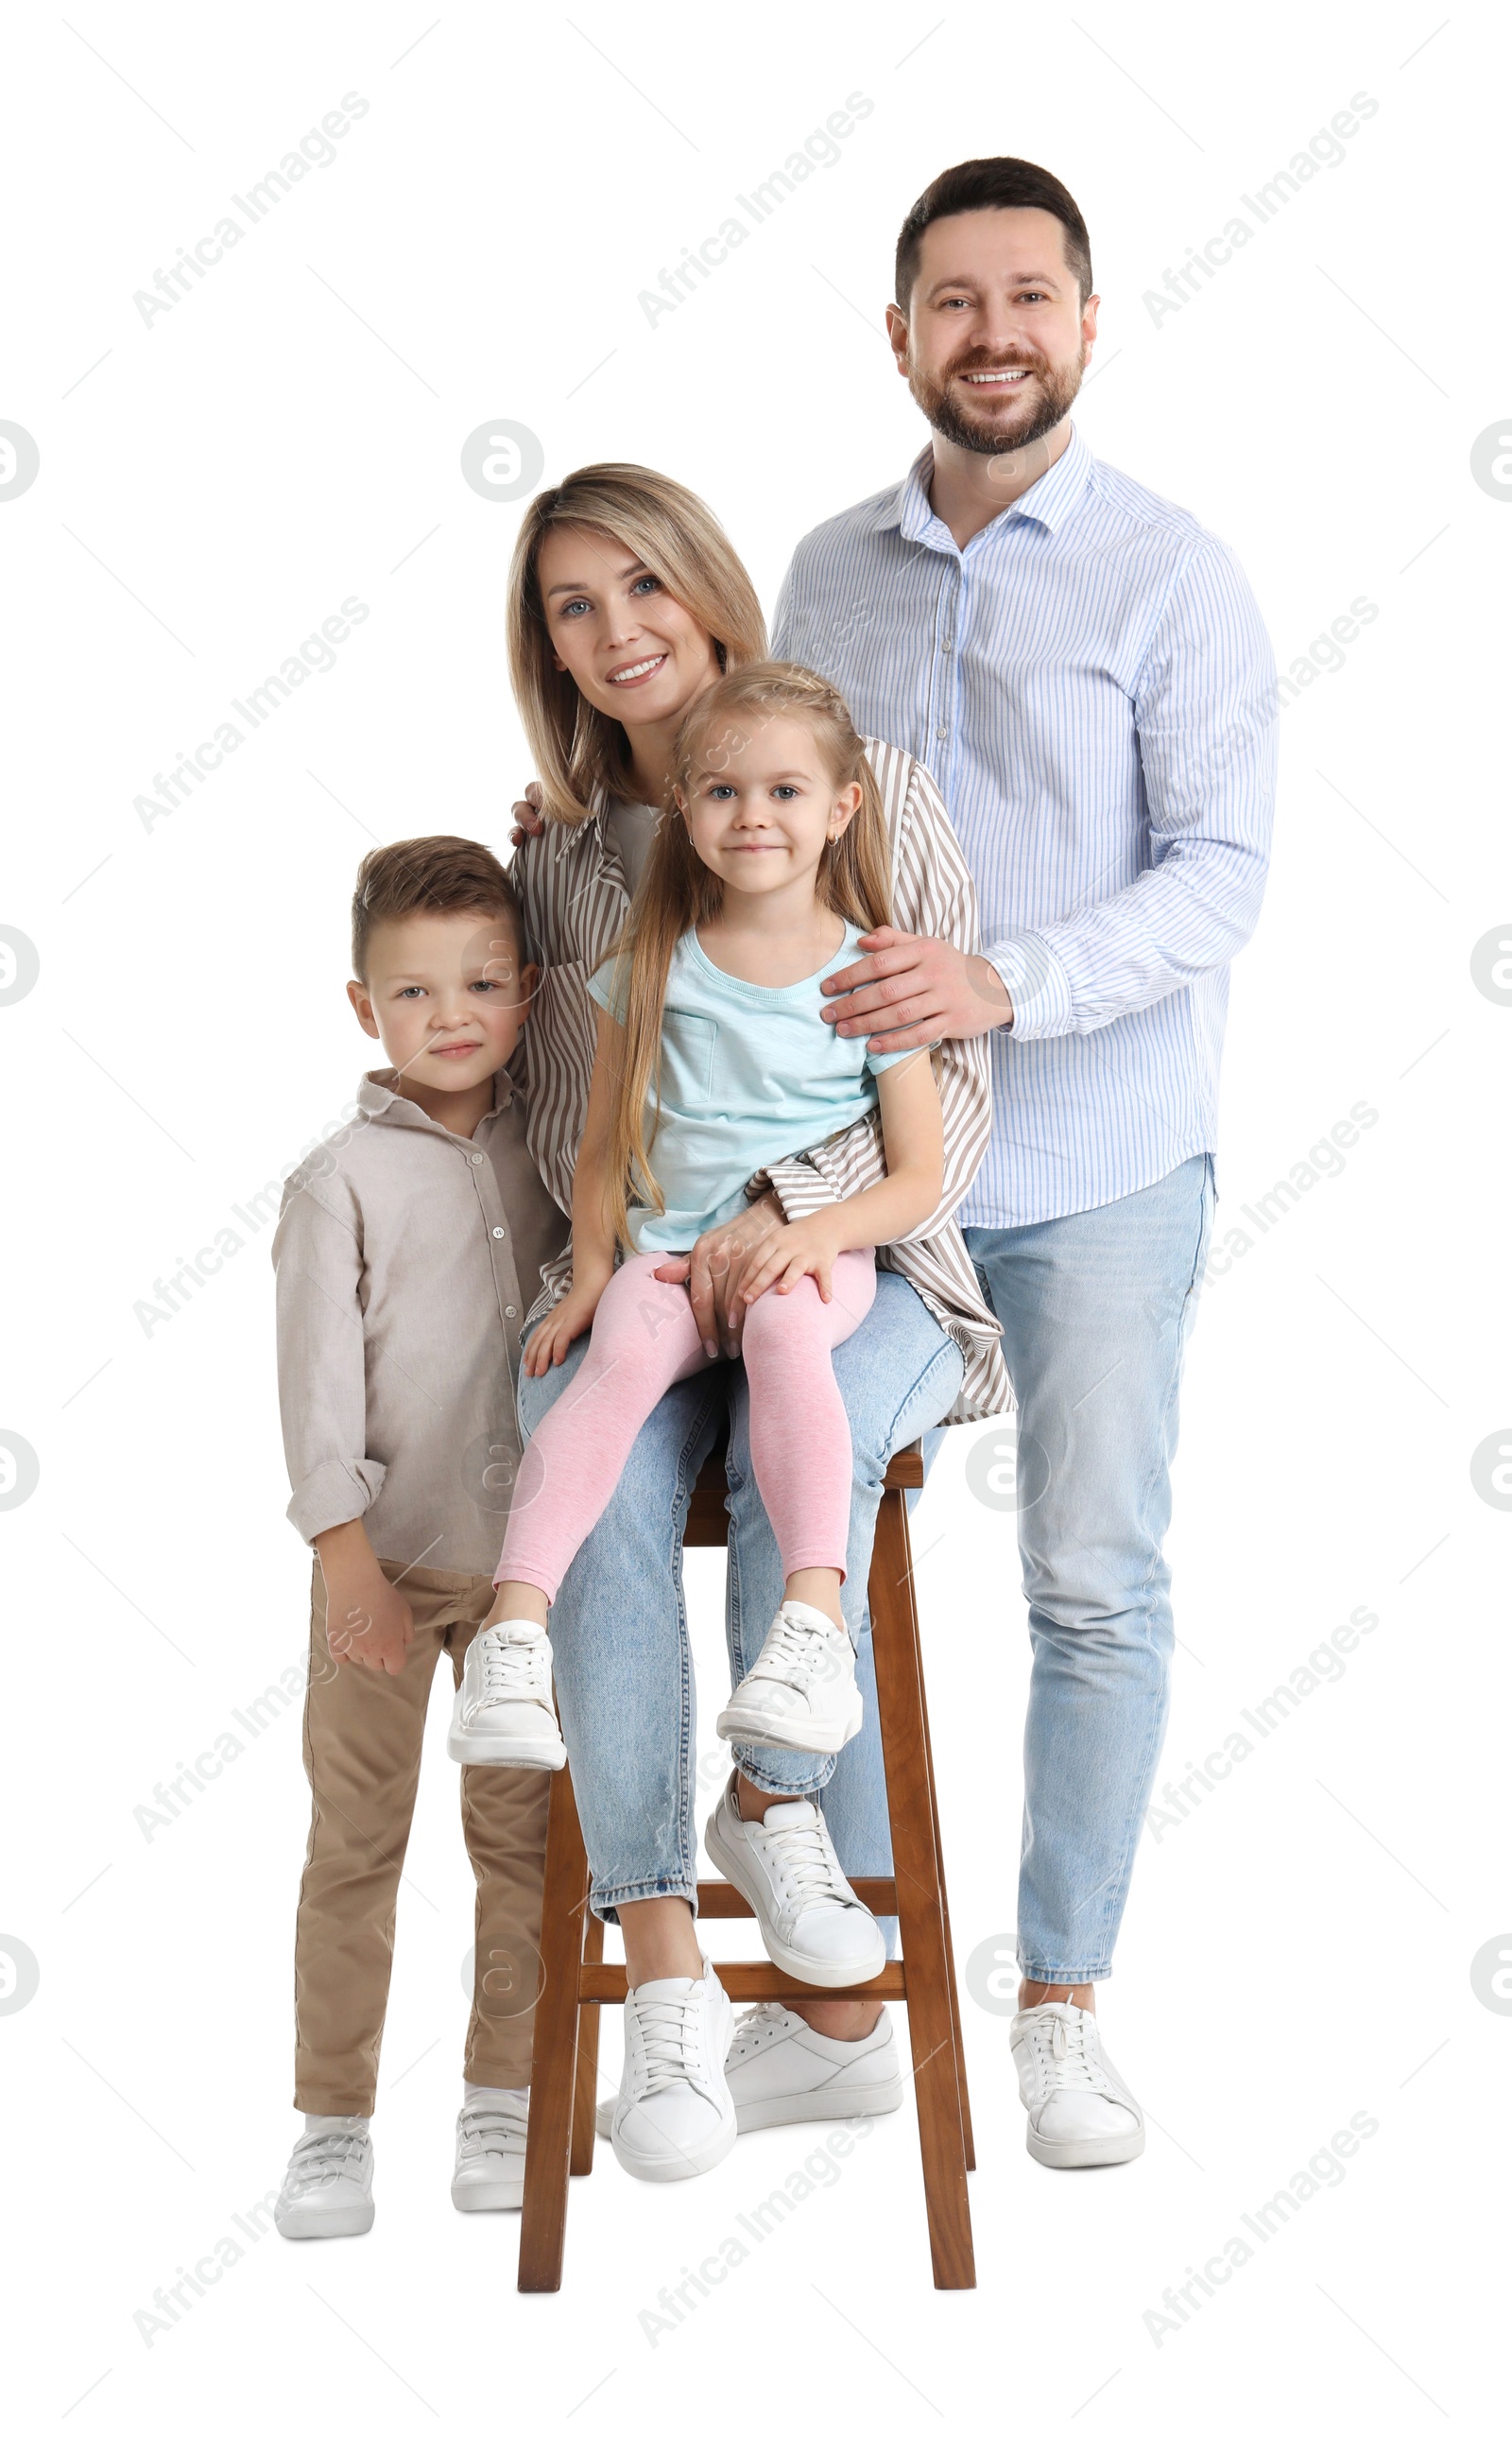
(1057, 385)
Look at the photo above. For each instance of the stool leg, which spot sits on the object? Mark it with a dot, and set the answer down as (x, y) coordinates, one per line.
(554, 2049)
(920, 1898)
(966, 2135)
(586, 2097)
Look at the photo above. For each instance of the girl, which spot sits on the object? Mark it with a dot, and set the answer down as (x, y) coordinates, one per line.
(712, 1065)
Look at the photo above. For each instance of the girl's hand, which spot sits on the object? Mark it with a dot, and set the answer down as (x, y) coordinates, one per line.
(556, 1332)
(808, 1248)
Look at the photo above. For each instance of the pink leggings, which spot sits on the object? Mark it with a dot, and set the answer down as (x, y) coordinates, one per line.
(645, 1338)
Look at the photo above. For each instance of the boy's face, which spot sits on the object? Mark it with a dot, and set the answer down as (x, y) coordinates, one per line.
(446, 995)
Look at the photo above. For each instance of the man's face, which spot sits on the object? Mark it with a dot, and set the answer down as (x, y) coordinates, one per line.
(996, 336)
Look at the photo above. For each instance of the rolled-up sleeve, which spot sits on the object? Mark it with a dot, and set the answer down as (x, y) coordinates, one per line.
(322, 1369)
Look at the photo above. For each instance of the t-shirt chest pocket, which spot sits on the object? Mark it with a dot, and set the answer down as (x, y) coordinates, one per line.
(689, 1043)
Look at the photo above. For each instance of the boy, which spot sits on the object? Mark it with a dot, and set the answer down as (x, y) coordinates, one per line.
(407, 1253)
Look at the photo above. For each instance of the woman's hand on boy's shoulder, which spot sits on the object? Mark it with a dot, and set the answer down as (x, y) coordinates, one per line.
(529, 818)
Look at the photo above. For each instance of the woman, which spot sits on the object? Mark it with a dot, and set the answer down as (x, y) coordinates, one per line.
(626, 603)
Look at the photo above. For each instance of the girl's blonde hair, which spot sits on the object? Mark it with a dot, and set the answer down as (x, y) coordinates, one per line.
(579, 752)
(678, 891)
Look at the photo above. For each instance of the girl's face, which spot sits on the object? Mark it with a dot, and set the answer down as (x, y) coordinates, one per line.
(761, 806)
(629, 647)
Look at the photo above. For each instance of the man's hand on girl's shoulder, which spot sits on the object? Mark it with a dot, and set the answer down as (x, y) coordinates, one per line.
(529, 818)
(909, 991)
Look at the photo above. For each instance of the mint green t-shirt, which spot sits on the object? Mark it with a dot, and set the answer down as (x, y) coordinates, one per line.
(748, 1076)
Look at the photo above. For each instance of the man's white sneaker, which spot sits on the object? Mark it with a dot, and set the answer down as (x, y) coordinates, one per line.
(1081, 2114)
(813, 1925)
(503, 1716)
(801, 1694)
(781, 2072)
(328, 2188)
(674, 2115)
(489, 2172)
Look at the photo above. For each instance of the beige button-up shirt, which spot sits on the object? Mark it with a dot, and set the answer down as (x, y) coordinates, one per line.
(405, 1258)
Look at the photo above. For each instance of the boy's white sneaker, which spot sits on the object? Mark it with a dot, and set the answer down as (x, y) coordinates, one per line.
(781, 2072)
(813, 1925)
(1081, 2112)
(801, 1695)
(674, 2115)
(490, 2171)
(503, 1716)
(328, 2187)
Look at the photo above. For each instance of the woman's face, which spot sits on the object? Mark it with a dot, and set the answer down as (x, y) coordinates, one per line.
(629, 647)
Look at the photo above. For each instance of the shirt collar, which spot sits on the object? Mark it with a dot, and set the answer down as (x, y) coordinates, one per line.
(378, 1099)
(1047, 503)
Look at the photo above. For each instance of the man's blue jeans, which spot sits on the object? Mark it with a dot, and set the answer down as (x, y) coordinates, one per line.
(624, 1676)
(1095, 1310)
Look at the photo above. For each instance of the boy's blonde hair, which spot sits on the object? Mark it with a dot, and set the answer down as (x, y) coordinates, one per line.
(578, 751)
(678, 891)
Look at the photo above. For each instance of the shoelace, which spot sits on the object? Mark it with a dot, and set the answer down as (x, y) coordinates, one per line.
(752, 2031)
(795, 1652)
(488, 2131)
(508, 1671)
(1066, 2051)
(808, 1862)
(325, 2157)
(670, 2029)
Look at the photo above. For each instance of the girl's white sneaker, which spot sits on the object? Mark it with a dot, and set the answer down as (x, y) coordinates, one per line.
(674, 2116)
(328, 2188)
(504, 1716)
(801, 1695)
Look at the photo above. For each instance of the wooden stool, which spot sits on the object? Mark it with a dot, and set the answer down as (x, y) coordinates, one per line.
(575, 1981)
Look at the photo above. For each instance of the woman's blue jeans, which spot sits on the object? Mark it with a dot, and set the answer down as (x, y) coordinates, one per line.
(623, 1665)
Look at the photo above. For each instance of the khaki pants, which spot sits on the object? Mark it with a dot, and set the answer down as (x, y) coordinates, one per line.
(363, 1732)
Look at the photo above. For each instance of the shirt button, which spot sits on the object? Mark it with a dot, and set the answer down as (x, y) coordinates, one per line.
(508, 1311)
(476, 1158)
(499, 1234)
(942, 733)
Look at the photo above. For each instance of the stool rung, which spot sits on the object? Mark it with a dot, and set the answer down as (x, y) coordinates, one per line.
(745, 1984)
(718, 1901)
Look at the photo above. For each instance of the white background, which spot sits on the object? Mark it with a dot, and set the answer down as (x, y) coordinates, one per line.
(1297, 1949)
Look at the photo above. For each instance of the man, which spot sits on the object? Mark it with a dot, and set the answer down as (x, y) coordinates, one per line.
(1087, 674)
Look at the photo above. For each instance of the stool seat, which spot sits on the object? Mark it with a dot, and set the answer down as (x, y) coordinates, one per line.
(574, 1980)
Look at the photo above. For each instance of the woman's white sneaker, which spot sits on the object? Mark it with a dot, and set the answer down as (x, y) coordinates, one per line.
(674, 2116)
(328, 2187)
(1081, 2112)
(813, 1925)
(490, 2171)
(781, 2072)
(801, 1694)
(503, 1716)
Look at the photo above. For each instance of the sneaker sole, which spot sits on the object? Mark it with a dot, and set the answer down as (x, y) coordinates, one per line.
(472, 2198)
(686, 2167)
(356, 2220)
(748, 1726)
(1116, 2149)
(500, 1751)
(798, 1967)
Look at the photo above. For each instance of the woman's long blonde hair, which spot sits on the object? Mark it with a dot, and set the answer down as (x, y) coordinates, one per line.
(677, 890)
(579, 752)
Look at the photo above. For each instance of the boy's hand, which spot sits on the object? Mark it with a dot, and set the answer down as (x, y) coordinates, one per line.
(368, 1623)
(556, 1332)
(808, 1248)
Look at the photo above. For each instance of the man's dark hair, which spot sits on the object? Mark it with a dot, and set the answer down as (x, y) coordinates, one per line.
(426, 875)
(1000, 185)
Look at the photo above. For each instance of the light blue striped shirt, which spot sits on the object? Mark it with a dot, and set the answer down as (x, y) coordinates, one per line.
(1091, 683)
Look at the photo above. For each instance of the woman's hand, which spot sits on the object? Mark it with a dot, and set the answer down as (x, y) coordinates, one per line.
(568, 1320)
(808, 1248)
(716, 1270)
(529, 818)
